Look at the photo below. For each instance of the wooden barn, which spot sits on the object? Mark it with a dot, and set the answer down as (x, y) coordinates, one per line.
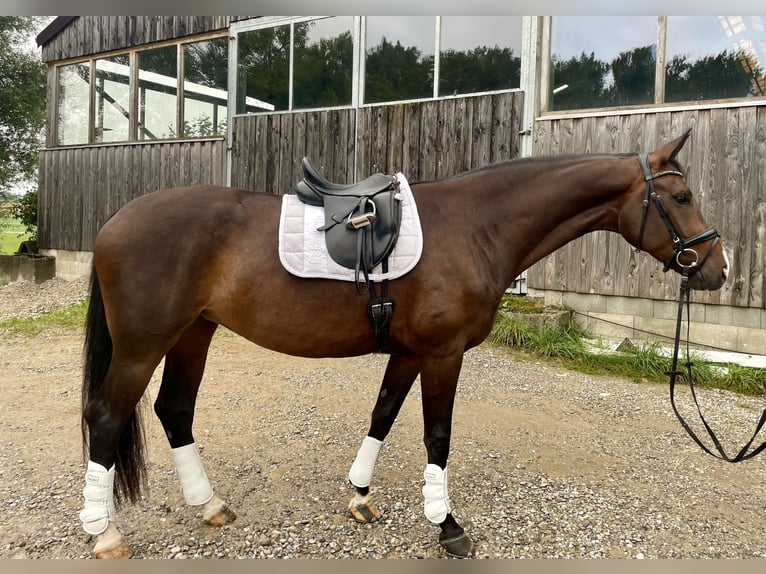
(139, 103)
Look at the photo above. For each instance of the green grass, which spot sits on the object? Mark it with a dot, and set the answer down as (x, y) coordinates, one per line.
(566, 347)
(65, 319)
(11, 235)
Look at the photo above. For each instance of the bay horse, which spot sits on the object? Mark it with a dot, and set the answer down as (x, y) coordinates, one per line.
(171, 266)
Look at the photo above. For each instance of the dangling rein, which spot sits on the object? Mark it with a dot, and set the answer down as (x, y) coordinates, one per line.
(675, 372)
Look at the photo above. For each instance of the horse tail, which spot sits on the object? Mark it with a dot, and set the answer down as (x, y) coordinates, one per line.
(130, 468)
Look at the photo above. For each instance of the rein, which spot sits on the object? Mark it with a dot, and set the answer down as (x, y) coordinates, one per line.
(681, 246)
(675, 372)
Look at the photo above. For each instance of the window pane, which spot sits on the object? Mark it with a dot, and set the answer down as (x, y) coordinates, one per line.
(479, 53)
(72, 106)
(399, 64)
(157, 93)
(324, 54)
(712, 57)
(205, 87)
(264, 68)
(112, 99)
(601, 61)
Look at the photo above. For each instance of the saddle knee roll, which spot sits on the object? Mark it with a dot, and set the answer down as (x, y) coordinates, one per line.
(99, 506)
(436, 505)
(195, 485)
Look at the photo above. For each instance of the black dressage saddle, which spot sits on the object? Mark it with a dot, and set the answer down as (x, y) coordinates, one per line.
(361, 220)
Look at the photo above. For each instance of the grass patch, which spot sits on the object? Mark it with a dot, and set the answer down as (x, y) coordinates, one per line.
(11, 235)
(566, 346)
(65, 319)
(521, 304)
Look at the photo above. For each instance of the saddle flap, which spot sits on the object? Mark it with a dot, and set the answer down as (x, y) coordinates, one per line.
(369, 245)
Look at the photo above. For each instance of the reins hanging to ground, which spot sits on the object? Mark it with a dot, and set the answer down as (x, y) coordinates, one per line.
(674, 372)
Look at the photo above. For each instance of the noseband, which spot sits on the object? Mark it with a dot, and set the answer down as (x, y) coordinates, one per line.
(680, 246)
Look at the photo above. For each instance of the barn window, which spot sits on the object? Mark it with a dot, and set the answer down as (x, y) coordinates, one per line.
(176, 90)
(205, 88)
(112, 121)
(714, 58)
(72, 106)
(157, 93)
(601, 61)
(323, 63)
(399, 58)
(303, 64)
(264, 70)
(485, 60)
(289, 63)
(616, 61)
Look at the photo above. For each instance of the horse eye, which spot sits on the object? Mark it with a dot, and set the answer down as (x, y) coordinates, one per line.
(682, 199)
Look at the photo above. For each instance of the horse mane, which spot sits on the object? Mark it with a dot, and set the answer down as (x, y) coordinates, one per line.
(542, 161)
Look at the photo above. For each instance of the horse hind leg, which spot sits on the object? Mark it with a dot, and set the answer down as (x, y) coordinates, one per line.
(175, 403)
(115, 449)
(401, 372)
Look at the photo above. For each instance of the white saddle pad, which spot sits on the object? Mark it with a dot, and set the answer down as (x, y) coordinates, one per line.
(302, 249)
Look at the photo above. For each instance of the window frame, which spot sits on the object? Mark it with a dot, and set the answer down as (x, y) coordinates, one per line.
(133, 99)
(659, 105)
(359, 58)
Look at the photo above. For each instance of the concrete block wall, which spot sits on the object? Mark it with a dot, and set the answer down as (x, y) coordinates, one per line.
(723, 327)
(70, 265)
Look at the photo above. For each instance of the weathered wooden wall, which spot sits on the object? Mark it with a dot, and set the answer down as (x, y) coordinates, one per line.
(423, 140)
(81, 187)
(87, 35)
(267, 149)
(437, 139)
(725, 159)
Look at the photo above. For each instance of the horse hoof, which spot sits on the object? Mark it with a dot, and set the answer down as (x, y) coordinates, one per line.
(461, 546)
(119, 550)
(364, 512)
(224, 516)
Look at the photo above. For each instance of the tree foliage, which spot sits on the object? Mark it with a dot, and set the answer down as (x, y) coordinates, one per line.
(629, 79)
(22, 101)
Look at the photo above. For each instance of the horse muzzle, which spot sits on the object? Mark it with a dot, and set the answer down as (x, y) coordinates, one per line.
(707, 273)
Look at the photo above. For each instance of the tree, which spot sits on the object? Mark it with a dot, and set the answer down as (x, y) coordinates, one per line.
(584, 78)
(633, 73)
(478, 70)
(22, 101)
(396, 72)
(728, 74)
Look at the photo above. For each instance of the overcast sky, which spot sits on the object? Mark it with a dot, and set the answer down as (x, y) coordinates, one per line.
(606, 36)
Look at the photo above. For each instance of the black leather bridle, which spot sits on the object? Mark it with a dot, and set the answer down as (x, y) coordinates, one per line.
(681, 246)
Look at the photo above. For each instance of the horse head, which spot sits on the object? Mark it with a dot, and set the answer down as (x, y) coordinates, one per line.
(662, 217)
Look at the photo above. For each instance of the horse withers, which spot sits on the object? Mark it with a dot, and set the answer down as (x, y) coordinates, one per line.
(171, 266)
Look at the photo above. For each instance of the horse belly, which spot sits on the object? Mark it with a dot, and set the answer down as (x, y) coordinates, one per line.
(301, 318)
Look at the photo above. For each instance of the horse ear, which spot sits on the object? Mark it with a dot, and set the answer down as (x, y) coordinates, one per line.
(671, 149)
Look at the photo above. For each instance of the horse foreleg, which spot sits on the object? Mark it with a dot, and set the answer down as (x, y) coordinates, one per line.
(176, 400)
(401, 372)
(439, 378)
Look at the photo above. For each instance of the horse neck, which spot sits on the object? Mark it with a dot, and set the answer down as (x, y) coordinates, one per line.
(532, 208)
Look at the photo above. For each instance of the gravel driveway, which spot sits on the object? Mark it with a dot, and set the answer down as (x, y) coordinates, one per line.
(545, 462)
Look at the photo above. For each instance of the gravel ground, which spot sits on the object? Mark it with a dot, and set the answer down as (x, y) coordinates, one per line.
(545, 463)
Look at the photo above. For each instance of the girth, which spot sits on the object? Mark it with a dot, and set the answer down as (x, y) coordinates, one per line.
(361, 228)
